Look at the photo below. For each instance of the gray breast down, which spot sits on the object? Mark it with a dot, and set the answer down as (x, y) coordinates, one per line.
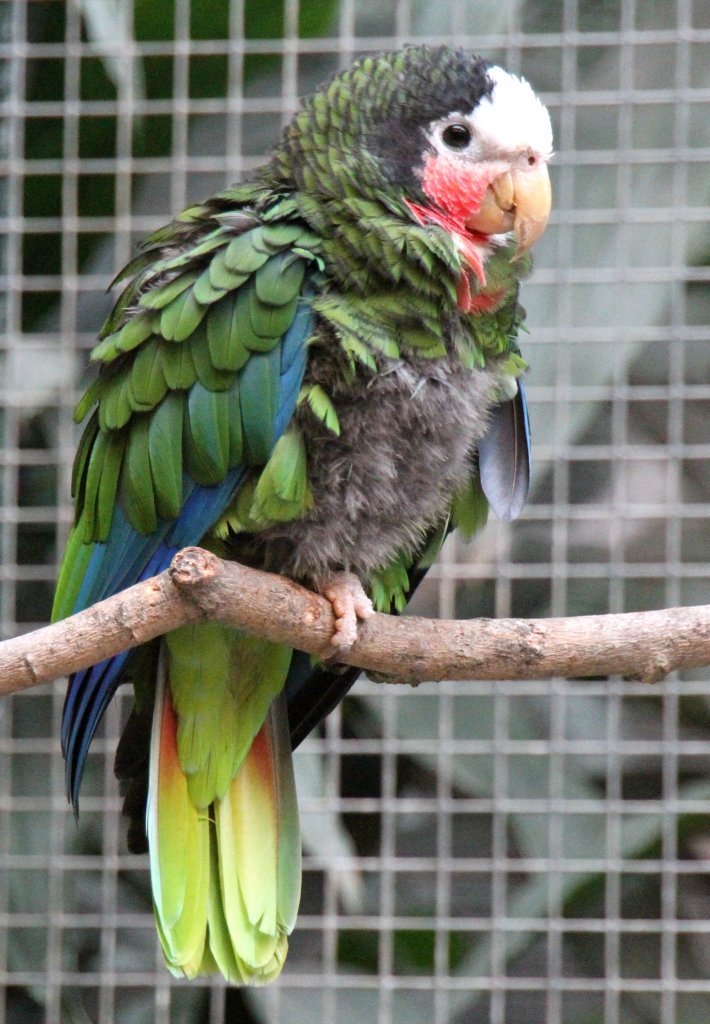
(407, 435)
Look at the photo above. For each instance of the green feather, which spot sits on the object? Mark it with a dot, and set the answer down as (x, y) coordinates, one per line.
(389, 588)
(128, 298)
(137, 493)
(239, 677)
(283, 491)
(240, 255)
(162, 295)
(220, 947)
(81, 459)
(106, 500)
(225, 336)
(178, 366)
(356, 350)
(258, 840)
(238, 516)
(165, 452)
(321, 406)
(258, 399)
(279, 280)
(469, 509)
(212, 378)
(234, 425)
(148, 384)
(115, 408)
(209, 243)
(206, 436)
(204, 291)
(72, 573)
(130, 336)
(179, 841)
(279, 236)
(139, 267)
(221, 277)
(90, 396)
(181, 317)
(268, 323)
(285, 207)
(91, 487)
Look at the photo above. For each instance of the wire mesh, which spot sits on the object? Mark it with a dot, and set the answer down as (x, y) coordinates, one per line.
(510, 852)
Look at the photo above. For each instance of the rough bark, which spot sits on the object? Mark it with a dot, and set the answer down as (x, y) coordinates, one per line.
(198, 585)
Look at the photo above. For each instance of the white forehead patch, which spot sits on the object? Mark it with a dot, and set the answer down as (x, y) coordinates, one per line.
(512, 118)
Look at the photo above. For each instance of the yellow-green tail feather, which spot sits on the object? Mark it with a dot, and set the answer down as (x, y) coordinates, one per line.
(226, 877)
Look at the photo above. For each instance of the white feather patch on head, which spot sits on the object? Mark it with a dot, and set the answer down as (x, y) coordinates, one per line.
(512, 118)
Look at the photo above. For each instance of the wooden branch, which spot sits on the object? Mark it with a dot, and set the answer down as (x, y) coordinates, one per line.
(200, 586)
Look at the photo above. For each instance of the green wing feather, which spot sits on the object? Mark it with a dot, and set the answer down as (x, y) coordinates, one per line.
(189, 364)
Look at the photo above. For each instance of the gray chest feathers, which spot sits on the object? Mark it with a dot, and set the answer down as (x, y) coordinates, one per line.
(407, 436)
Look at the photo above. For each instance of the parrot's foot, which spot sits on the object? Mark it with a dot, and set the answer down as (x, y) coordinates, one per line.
(350, 603)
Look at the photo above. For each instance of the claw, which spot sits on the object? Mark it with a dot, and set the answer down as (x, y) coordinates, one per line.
(350, 603)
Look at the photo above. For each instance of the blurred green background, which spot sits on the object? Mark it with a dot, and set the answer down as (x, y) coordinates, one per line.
(515, 853)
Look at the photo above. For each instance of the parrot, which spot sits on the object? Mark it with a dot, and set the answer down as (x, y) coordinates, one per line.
(315, 373)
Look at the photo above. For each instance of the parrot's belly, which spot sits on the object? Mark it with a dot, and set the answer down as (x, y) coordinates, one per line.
(406, 441)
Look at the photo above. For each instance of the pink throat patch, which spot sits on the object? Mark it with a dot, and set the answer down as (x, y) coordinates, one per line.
(457, 193)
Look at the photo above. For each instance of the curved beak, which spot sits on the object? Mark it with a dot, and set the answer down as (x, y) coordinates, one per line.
(518, 200)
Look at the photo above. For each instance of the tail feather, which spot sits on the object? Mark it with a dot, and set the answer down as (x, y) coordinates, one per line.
(178, 839)
(226, 878)
(259, 848)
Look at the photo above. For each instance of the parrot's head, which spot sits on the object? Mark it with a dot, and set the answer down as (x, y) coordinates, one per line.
(460, 141)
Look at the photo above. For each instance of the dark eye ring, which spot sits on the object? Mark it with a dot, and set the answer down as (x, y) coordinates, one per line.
(456, 136)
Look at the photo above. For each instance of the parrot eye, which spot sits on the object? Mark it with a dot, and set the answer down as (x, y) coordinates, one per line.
(456, 136)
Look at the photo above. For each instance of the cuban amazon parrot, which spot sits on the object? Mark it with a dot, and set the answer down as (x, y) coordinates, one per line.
(314, 373)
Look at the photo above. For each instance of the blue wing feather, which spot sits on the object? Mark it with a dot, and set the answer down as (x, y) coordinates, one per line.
(128, 557)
